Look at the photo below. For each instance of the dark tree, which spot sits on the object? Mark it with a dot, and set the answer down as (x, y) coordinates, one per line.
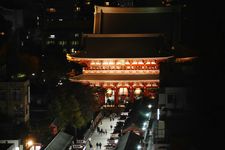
(74, 103)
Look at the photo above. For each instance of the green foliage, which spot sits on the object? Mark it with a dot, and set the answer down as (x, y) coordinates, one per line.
(74, 103)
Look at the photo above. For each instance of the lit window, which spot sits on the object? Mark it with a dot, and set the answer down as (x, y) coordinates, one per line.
(76, 35)
(52, 36)
(107, 3)
(77, 9)
(60, 19)
(75, 43)
(88, 3)
(51, 10)
(50, 42)
(62, 43)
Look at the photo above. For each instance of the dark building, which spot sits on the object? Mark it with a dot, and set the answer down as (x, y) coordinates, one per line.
(64, 21)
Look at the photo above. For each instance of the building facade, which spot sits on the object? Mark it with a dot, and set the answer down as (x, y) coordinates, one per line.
(14, 100)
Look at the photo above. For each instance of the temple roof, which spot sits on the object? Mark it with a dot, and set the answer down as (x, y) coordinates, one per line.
(115, 77)
(124, 46)
(135, 20)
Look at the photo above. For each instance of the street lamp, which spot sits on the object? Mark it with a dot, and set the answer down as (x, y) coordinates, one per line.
(29, 143)
(139, 147)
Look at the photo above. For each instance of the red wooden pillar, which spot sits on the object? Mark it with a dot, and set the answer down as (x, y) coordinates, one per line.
(131, 91)
(101, 98)
(145, 91)
(116, 96)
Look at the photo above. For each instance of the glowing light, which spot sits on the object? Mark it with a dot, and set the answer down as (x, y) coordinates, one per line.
(118, 63)
(51, 10)
(17, 148)
(149, 106)
(158, 113)
(107, 3)
(147, 115)
(152, 97)
(145, 123)
(52, 36)
(137, 91)
(123, 91)
(127, 62)
(30, 143)
(92, 63)
(116, 141)
(140, 62)
(109, 92)
(98, 63)
(139, 147)
(2, 33)
(37, 147)
(111, 63)
(77, 8)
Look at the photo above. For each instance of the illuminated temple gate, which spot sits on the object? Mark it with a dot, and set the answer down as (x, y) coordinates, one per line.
(124, 79)
(126, 65)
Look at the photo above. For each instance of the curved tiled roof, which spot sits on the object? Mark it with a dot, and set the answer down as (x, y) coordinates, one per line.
(124, 46)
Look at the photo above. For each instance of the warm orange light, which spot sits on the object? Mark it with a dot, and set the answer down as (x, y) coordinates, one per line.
(51, 10)
(137, 91)
(123, 91)
(2, 33)
(30, 143)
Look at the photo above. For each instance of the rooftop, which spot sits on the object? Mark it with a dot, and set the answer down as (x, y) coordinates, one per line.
(124, 46)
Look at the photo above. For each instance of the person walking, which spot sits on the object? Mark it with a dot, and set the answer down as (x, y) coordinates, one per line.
(97, 145)
(100, 145)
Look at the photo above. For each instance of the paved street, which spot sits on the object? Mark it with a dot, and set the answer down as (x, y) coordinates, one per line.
(96, 137)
